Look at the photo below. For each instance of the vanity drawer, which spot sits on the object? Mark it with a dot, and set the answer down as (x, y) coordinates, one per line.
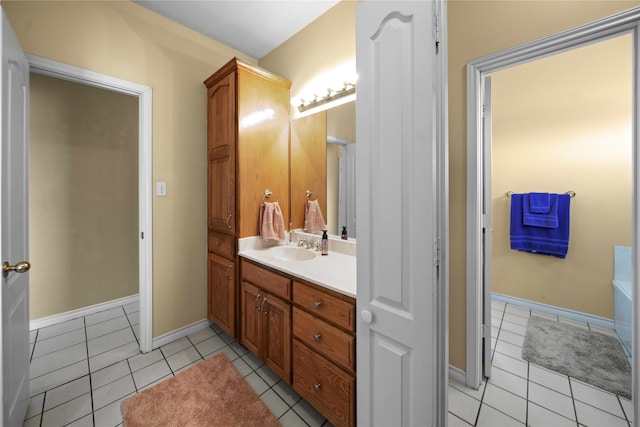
(328, 340)
(324, 385)
(222, 244)
(323, 304)
(266, 279)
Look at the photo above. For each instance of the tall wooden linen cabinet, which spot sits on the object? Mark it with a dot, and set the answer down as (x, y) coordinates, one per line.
(248, 153)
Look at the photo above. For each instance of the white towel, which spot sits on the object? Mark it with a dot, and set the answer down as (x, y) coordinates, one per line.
(313, 220)
(271, 221)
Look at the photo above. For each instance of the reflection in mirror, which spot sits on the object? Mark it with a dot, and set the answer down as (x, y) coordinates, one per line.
(308, 169)
(341, 156)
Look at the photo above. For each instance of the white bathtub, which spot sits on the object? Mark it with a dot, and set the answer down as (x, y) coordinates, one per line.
(622, 295)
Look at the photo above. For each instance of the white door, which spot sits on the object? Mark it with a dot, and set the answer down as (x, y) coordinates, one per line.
(14, 231)
(398, 347)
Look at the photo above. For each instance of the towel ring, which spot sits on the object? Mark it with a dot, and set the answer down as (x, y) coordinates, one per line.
(571, 194)
(268, 193)
(311, 193)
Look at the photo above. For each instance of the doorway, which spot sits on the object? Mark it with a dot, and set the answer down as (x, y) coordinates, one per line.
(142, 181)
(481, 220)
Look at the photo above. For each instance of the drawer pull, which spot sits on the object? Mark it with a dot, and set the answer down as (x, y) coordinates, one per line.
(317, 305)
(316, 337)
(316, 387)
(262, 305)
(217, 242)
(228, 224)
(256, 301)
(228, 270)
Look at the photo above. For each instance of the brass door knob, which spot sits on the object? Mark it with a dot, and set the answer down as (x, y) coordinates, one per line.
(21, 267)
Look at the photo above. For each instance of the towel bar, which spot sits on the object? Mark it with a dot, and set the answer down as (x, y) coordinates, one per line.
(571, 194)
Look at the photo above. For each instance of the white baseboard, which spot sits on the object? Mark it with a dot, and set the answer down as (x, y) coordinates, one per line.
(179, 333)
(551, 309)
(457, 374)
(85, 311)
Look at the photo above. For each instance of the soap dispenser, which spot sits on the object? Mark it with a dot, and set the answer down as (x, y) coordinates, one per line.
(344, 233)
(325, 243)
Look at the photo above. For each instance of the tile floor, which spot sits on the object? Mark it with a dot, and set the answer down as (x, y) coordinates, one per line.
(83, 368)
(519, 393)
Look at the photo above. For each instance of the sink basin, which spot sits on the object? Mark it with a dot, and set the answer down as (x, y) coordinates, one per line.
(291, 253)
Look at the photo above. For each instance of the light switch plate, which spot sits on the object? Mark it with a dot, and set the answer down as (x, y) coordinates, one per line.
(161, 188)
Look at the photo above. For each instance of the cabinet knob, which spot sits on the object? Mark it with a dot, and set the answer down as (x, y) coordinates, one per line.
(366, 316)
(316, 387)
(317, 305)
(316, 337)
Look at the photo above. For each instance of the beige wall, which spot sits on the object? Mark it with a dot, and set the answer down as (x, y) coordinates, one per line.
(326, 43)
(127, 41)
(555, 130)
(475, 29)
(83, 196)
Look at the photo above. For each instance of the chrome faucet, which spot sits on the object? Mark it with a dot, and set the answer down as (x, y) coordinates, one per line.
(307, 244)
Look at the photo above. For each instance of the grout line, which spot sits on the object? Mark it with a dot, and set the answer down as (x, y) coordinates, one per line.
(33, 350)
(622, 407)
(86, 341)
(526, 409)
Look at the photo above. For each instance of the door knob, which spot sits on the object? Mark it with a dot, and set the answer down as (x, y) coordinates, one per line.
(366, 316)
(20, 267)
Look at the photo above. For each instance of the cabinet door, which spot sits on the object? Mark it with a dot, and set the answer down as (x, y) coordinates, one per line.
(221, 293)
(221, 131)
(277, 336)
(252, 303)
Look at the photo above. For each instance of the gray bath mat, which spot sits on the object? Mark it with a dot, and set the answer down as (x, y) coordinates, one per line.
(592, 357)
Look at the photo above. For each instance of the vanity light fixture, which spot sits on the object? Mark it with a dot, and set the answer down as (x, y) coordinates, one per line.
(330, 95)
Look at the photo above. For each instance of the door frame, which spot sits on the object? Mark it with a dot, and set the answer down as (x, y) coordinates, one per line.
(627, 22)
(59, 70)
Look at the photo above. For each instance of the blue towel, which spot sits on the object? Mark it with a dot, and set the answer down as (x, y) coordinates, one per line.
(548, 219)
(539, 202)
(541, 240)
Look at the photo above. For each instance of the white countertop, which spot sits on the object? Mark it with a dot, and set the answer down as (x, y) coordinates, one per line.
(336, 271)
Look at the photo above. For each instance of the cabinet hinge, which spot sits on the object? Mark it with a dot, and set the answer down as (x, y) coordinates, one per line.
(142, 235)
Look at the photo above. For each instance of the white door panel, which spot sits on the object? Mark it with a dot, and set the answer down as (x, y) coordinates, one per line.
(14, 228)
(397, 206)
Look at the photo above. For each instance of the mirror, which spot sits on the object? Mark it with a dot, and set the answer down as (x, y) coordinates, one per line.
(323, 161)
(341, 157)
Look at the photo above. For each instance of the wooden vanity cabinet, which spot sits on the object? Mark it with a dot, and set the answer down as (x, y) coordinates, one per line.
(266, 317)
(324, 368)
(221, 307)
(245, 157)
(306, 334)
